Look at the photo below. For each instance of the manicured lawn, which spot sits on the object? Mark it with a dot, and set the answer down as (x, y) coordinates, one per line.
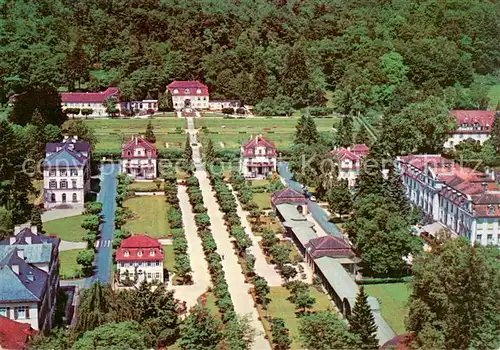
(67, 229)
(281, 307)
(150, 216)
(168, 258)
(144, 187)
(494, 95)
(263, 200)
(68, 267)
(393, 299)
(258, 183)
(230, 133)
(112, 132)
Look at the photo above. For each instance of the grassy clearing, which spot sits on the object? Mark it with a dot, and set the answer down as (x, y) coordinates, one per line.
(144, 187)
(258, 183)
(263, 200)
(150, 216)
(232, 132)
(393, 299)
(168, 258)
(68, 266)
(281, 307)
(494, 95)
(112, 132)
(67, 229)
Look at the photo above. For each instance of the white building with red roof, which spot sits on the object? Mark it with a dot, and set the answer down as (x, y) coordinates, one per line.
(140, 258)
(139, 159)
(93, 102)
(257, 158)
(474, 125)
(464, 200)
(189, 94)
(349, 161)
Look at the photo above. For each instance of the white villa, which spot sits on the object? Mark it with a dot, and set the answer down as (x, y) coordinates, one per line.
(257, 158)
(349, 161)
(189, 94)
(139, 159)
(475, 125)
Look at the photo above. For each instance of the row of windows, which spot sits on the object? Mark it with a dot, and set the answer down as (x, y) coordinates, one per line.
(20, 312)
(149, 275)
(63, 184)
(63, 172)
(489, 238)
(187, 91)
(74, 198)
(140, 264)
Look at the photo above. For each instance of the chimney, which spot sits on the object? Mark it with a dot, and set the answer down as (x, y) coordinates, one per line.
(20, 253)
(485, 186)
(15, 269)
(135, 140)
(34, 229)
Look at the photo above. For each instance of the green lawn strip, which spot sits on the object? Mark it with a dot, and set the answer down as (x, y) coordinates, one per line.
(258, 183)
(393, 299)
(68, 266)
(263, 200)
(281, 307)
(150, 216)
(144, 186)
(67, 229)
(169, 258)
(494, 95)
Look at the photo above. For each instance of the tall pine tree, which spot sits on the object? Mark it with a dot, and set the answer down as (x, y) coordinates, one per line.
(150, 135)
(305, 131)
(210, 155)
(36, 137)
(495, 132)
(344, 137)
(395, 191)
(188, 151)
(36, 219)
(362, 321)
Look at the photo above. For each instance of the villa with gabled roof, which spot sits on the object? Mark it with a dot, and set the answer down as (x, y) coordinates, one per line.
(139, 158)
(257, 158)
(66, 173)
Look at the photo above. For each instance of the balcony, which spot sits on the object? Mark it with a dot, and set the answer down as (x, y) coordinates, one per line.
(260, 164)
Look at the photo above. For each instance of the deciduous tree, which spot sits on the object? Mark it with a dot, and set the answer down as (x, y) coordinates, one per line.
(201, 331)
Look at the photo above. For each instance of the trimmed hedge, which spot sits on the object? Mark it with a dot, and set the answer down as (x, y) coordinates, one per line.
(385, 280)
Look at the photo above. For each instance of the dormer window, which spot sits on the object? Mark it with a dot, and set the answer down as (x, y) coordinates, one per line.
(250, 150)
(176, 91)
(491, 209)
(129, 153)
(139, 253)
(198, 91)
(186, 91)
(126, 253)
(152, 252)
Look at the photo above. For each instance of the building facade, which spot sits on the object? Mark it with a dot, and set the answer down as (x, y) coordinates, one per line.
(139, 159)
(143, 107)
(218, 105)
(466, 201)
(140, 258)
(475, 125)
(92, 102)
(66, 173)
(29, 277)
(349, 162)
(189, 95)
(257, 158)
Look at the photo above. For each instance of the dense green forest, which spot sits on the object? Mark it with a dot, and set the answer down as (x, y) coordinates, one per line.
(367, 56)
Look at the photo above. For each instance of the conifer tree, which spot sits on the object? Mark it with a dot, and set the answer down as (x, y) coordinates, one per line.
(150, 135)
(395, 191)
(36, 137)
(344, 136)
(495, 132)
(210, 155)
(305, 131)
(188, 151)
(36, 219)
(362, 321)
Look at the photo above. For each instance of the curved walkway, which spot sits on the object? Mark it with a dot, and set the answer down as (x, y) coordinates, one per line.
(66, 245)
(262, 267)
(201, 276)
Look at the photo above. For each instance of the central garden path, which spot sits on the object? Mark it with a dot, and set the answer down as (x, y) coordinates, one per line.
(201, 276)
(243, 302)
(262, 267)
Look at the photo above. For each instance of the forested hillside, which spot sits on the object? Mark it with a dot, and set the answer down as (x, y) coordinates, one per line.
(374, 55)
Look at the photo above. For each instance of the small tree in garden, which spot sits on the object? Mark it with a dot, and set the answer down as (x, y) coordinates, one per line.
(87, 111)
(209, 152)
(86, 259)
(93, 208)
(362, 321)
(281, 334)
(261, 290)
(202, 220)
(111, 106)
(250, 263)
(288, 272)
(183, 267)
(304, 301)
(150, 135)
(36, 219)
(280, 255)
(268, 240)
(188, 151)
(91, 223)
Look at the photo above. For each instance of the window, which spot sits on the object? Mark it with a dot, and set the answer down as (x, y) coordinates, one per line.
(186, 91)
(157, 263)
(74, 198)
(138, 153)
(21, 313)
(157, 275)
(139, 253)
(478, 238)
(74, 172)
(152, 252)
(63, 197)
(126, 253)
(198, 91)
(176, 91)
(52, 184)
(149, 263)
(63, 172)
(122, 265)
(149, 275)
(489, 238)
(4, 311)
(53, 197)
(63, 184)
(52, 172)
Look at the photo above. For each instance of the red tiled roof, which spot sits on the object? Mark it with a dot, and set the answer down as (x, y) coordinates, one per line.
(354, 154)
(138, 141)
(360, 148)
(287, 195)
(191, 85)
(14, 335)
(140, 241)
(399, 342)
(483, 119)
(88, 97)
(258, 141)
(335, 247)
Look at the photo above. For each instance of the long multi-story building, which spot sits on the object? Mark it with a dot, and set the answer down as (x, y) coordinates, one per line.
(66, 173)
(29, 277)
(257, 158)
(189, 94)
(475, 125)
(464, 200)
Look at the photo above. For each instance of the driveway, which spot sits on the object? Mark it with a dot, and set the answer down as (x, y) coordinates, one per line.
(318, 213)
(107, 198)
